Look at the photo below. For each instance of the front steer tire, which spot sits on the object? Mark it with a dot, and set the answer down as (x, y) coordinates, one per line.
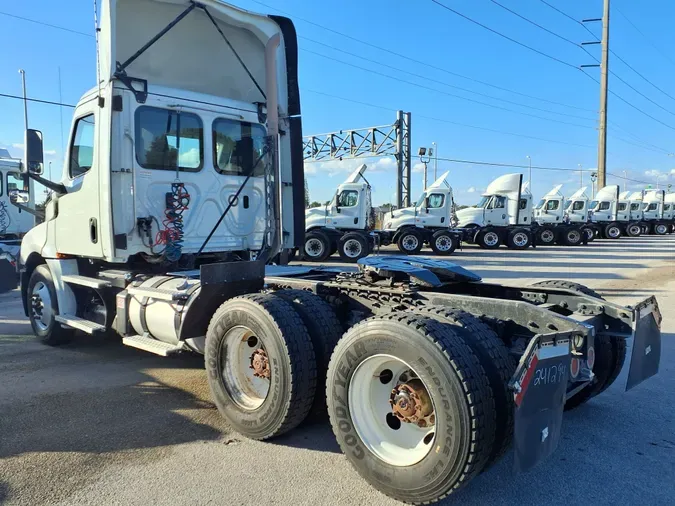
(456, 383)
(47, 329)
(292, 382)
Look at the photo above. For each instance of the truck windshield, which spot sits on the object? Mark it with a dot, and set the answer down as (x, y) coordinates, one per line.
(593, 205)
(540, 204)
(420, 201)
(568, 204)
(635, 207)
(483, 202)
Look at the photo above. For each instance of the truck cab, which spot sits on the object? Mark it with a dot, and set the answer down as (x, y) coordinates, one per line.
(559, 221)
(636, 212)
(550, 208)
(15, 221)
(576, 207)
(655, 215)
(350, 208)
(669, 210)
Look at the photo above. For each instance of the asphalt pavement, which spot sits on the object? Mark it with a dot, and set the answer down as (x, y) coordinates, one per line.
(97, 423)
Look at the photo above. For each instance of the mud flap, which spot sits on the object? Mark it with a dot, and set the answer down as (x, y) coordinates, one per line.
(539, 386)
(646, 353)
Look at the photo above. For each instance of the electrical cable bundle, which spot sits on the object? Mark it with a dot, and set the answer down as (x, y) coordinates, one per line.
(4, 218)
(177, 202)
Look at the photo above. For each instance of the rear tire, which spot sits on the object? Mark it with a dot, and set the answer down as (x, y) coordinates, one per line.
(633, 230)
(589, 232)
(572, 237)
(545, 236)
(488, 238)
(262, 330)
(43, 307)
(374, 361)
(612, 231)
(660, 229)
(410, 242)
(495, 358)
(353, 246)
(444, 243)
(317, 246)
(519, 238)
(324, 330)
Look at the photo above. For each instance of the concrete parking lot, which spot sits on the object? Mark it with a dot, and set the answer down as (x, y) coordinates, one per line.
(95, 422)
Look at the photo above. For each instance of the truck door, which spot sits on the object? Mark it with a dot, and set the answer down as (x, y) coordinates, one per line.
(347, 210)
(436, 212)
(495, 212)
(77, 227)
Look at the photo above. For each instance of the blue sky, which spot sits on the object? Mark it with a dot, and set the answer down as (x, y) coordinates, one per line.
(447, 44)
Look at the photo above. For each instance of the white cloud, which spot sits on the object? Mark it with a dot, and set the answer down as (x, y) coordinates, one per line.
(672, 172)
(653, 173)
(49, 153)
(471, 190)
(332, 168)
(189, 158)
(382, 165)
(418, 167)
(18, 146)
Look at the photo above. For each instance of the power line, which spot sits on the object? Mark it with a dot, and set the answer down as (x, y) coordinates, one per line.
(46, 24)
(535, 24)
(37, 100)
(505, 36)
(569, 17)
(655, 46)
(441, 82)
(394, 78)
(425, 64)
(442, 120)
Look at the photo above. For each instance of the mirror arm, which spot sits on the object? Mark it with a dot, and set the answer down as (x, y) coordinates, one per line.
(55, 187)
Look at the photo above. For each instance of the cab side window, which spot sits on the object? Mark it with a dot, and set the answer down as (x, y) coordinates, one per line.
(622, 207)
(523, 204)
(552, 205)
(652, 207)
(348, 198)
(666, 207)
(604, 206)
(578, 205)
(82, 147)
(499, 202)
(436, 200)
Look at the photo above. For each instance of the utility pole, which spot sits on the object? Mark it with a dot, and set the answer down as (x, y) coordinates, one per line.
(435, 148)
(624, 180)
(602, 131)
(25, 101)
(581, 173)
(530, 173)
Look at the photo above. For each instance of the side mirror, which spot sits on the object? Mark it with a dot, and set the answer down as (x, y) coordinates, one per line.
(34, 152)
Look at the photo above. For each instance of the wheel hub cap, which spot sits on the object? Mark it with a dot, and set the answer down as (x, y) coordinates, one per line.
(443, 243)
(352, 248)
(410, 242)
(491, 239)
(41, 306)
(520, 239)
(410, 403)
(547, 236)
(314, 248)
(260, 364)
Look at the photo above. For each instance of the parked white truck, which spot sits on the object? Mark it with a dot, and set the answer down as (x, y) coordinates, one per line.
(657, 219)
(611, 214)
(176, 191)
(346, 223)
(561, 220)
(502, 216)
(16, 202)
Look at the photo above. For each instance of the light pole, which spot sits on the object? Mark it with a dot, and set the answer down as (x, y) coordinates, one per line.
(425, 158)
(530, 174)
(594, 178)
(625, 177)
(581, 173)
(435, 148)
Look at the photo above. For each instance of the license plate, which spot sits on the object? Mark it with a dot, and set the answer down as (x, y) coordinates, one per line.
(539, 386)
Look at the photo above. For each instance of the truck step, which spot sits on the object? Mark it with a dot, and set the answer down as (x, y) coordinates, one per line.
(74, 279)
(157, 293)
(152, 345)
(80, 323)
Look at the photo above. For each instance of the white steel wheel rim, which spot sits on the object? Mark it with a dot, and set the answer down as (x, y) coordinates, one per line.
(574, 236)
(520, 239)
(410, 242)
(369, 407)
(547, 236)
(352, 248)
(589, 233)
(634, 230)
(443, 243)
(314, 247)
(491, 239)
(42, 311)
(246, 390)
(614, 232)
(661, 229)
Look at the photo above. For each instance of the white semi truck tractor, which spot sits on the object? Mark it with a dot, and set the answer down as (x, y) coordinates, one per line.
(503, 215)
(562, 221)
(176, 192)
(16, 217)
(669, 210)
(658, 221)
(610, 214)
(346, 223)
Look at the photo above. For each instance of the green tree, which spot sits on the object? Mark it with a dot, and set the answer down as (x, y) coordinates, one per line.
(315, 204)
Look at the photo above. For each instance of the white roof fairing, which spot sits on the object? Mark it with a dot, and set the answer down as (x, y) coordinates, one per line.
(580, 193)
(555, 192)
(192, 55)
(440, 181)
(610, 192)
(508, 183)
